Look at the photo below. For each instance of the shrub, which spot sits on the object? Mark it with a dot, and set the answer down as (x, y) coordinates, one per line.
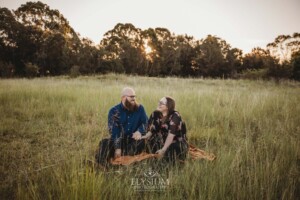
(31, 70)
(282, 71)
(74, 71)
(6, 69)
(254, 74)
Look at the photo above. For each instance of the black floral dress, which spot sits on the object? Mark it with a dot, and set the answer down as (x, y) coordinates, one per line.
(160, 127)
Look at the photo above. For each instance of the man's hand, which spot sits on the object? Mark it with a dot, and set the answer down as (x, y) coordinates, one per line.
(137, 135)
(118, 153)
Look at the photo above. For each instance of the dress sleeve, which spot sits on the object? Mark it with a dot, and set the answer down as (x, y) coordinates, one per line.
(154, 122)
(175, 124)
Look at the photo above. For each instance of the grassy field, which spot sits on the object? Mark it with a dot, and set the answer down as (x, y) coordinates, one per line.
(50, 128)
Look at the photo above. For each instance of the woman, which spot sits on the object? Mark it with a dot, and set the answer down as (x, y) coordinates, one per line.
(166, 132)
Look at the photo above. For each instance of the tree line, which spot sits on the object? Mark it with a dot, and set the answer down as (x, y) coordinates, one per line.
(38, 41)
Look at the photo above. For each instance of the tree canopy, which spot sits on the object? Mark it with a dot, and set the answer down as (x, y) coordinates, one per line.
(36, 40)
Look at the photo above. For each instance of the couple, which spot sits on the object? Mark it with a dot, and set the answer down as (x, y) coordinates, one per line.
(132, 132)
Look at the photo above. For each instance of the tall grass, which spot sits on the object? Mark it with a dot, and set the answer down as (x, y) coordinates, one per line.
(50, 128)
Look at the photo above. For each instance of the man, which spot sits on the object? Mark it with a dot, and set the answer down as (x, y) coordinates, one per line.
(127, 122)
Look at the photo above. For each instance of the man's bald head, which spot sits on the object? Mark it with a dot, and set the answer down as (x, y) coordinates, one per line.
(128, 98)
(127, 91)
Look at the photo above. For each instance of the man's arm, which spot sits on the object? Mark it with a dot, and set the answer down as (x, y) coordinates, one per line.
(143, 120)
(114, 127)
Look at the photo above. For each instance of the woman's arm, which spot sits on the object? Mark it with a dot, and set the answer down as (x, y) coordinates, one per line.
(168, 142)
(174, 125)
(148, 135)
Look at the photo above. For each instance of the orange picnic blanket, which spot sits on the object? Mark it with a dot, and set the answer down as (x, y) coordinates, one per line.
(197, 153)
(194, 152)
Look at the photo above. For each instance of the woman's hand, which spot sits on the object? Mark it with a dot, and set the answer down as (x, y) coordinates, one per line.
(168, 142)
(147, 136)
(161, 153)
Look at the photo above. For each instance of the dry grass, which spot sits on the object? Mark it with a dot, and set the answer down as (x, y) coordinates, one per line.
(50, 127)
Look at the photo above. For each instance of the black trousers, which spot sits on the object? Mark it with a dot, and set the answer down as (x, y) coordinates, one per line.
(176, 151)
(129, 146)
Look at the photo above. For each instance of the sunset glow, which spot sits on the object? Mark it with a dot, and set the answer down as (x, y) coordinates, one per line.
(147, 48)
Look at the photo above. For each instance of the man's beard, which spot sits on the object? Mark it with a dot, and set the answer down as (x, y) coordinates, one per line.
(131, 106)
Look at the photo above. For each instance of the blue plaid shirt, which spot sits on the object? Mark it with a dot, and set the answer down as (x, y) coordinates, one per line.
(123, 123)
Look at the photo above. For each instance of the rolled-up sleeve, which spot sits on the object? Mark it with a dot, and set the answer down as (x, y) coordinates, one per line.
(114, 127)
(154, 122)
(143, 120)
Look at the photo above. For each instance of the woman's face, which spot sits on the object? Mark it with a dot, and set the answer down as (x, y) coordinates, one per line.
(162, 105)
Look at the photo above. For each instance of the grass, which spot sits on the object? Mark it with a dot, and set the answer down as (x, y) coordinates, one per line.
(50, 128)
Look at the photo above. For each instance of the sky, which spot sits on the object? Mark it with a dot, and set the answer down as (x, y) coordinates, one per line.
(244, 24)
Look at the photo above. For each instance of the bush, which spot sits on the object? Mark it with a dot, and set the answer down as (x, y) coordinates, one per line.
(295, 62)
(254, 74)
(282, 71)
(31, 70)
(75, 71)
(6, 69)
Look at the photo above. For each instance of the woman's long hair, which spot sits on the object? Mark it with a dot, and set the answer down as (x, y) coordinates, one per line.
(170, 105)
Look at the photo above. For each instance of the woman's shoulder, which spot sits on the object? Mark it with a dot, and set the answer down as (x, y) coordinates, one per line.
(156, 114)
(175, 115)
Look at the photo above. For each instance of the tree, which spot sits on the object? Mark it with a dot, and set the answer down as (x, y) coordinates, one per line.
(295, 62)
(40, 16)
(56, 55)
(234, 59)
(53, 44)
(122, 45)
(284, 46)
(258, 58)
(9, 28)
(169, 54)
(10, 42)
(186, 46)
(88, 57)
(212, 56)
(264, 64)
(152, 65)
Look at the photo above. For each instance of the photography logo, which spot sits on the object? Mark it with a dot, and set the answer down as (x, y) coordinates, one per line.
(150, 181)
